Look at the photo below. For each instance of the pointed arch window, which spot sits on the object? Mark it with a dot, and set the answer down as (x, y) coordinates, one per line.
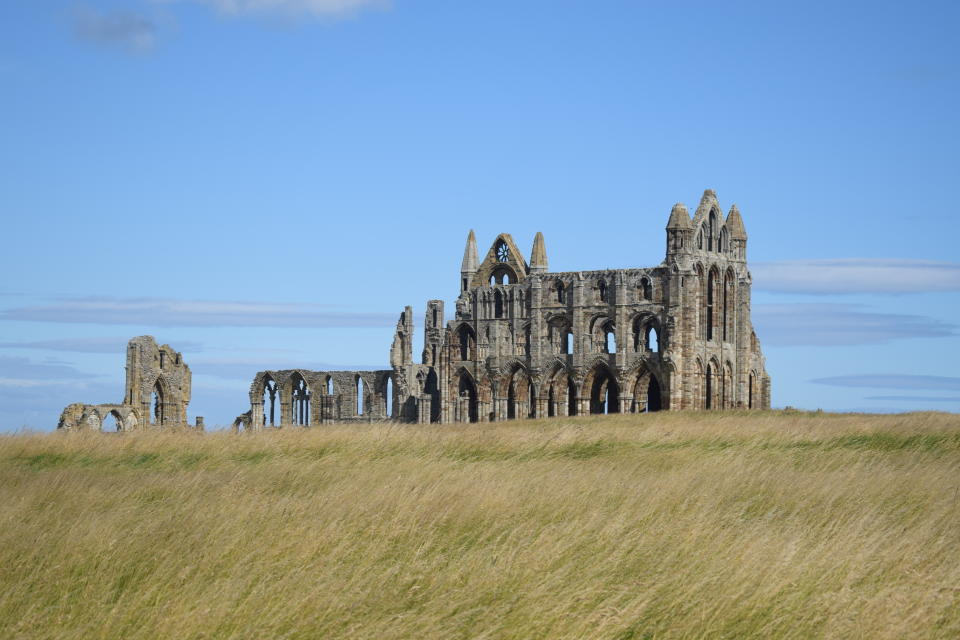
(602, 290)
(561, 293)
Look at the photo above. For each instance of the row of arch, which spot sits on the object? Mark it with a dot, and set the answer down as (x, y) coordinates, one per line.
(365, 398)
(644, 291)
(561, 393)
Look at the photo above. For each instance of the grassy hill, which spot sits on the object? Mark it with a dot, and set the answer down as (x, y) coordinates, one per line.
(714, 525)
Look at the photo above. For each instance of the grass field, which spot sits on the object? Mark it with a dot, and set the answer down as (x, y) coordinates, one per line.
(712, 525)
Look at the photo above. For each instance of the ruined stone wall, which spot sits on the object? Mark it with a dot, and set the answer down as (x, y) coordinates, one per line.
(156, 393)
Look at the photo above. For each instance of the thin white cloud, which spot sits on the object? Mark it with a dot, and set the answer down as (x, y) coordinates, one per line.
(90, 345)
(833, 324)
(164, 312)
(294, 8)
(129, 30)
(892, 381)
(856, 275)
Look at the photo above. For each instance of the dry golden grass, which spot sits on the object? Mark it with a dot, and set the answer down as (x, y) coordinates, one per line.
(655, 526)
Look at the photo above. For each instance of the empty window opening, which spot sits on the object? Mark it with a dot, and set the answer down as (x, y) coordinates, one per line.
(432, 388)
(654, 402)
(468, 342)
(158, 405)
(300, 401)
(112, 423)
(646, 289)
(568, 342)
(750, 393)
(561, 293)
(711, 234)
(388, 398)
(329, 386)
(653, 340)
(531, 401)
(604, 393)
(434, 317)
(511, 401)
(271, 413)
(497, 304)
(359, 396)
(551, 399)
(708, 401)
(163, 360)
(571, 398)
(464, 285)
(602, 291)
(609, 341)
(468, 396)
(711, 284)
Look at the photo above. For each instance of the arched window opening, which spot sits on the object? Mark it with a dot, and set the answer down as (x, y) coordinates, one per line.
(493, 280)
(468, 342)
(602, 290)
(700, 239)
(653, 340)
(497, 304)
(512, 400)
(711, 285)
(300, 401)
(434, 316)
(708, 397)
(571, 398)
(388, 398)
(604, 393)
(551, 400)
(654, 401)
(112, 423)
(163, 360)
(271, 413)
(561, 293)
(359, 396)
(329, 386)
(527, 341)
(712, 233)
(750, 392)
(432, 388)
(568, 342)
(467, 392)
(646, 289)
(609, 340)
(464, 285)
(531, 401)
(158, 405)
(723, 245)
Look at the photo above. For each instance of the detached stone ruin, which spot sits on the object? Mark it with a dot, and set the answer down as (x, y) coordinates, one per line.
(156, 393)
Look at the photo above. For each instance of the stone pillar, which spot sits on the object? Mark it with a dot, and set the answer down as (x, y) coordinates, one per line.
(199, 425)
(423, 409)
(256, 416)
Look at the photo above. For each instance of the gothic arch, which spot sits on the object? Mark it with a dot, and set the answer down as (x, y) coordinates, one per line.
(603, 388)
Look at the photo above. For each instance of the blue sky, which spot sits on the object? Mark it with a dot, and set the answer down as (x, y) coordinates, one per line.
(265, 184)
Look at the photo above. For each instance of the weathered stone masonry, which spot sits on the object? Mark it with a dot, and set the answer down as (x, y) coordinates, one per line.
(525, 342)
(156, 393)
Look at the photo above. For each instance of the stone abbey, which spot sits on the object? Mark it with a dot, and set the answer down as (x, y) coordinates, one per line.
(526, 342)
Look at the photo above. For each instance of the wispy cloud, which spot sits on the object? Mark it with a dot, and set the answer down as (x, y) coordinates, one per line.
(90, 345)
(128, 30)
(856, 275)
(833, 324)
(892, 381)
(23, 369)
(955, 399)
(295, 8)
(160, 312)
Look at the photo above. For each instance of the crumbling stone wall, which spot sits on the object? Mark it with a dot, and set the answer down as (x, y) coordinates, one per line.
(156, 395)
(525, 342)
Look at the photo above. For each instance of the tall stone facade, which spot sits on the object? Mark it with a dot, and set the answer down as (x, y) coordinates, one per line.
(526, 342)
(156, 393)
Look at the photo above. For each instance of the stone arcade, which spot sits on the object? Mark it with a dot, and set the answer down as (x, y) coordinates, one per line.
(529, 343)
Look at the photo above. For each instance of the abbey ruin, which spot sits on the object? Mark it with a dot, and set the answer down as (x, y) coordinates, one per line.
(529, 343)
(156, 393)
(524, 342)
